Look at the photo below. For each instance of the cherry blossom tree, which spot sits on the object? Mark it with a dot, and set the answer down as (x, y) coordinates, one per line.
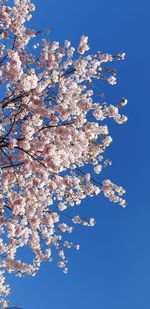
(53, 137)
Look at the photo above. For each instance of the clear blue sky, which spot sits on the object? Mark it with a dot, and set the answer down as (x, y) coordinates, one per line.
(112, 269)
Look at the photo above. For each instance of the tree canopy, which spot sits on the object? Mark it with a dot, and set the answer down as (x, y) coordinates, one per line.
(53, 137)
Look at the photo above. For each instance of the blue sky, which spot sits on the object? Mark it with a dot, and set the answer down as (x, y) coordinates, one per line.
(112, 269)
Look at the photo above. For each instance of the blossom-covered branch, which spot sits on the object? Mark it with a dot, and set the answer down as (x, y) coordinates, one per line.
(53, 138)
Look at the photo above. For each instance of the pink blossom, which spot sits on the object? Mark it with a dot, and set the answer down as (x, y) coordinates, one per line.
(83, 46)
(52, 130)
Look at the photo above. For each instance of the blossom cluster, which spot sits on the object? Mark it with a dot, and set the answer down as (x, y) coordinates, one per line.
(52, 133)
